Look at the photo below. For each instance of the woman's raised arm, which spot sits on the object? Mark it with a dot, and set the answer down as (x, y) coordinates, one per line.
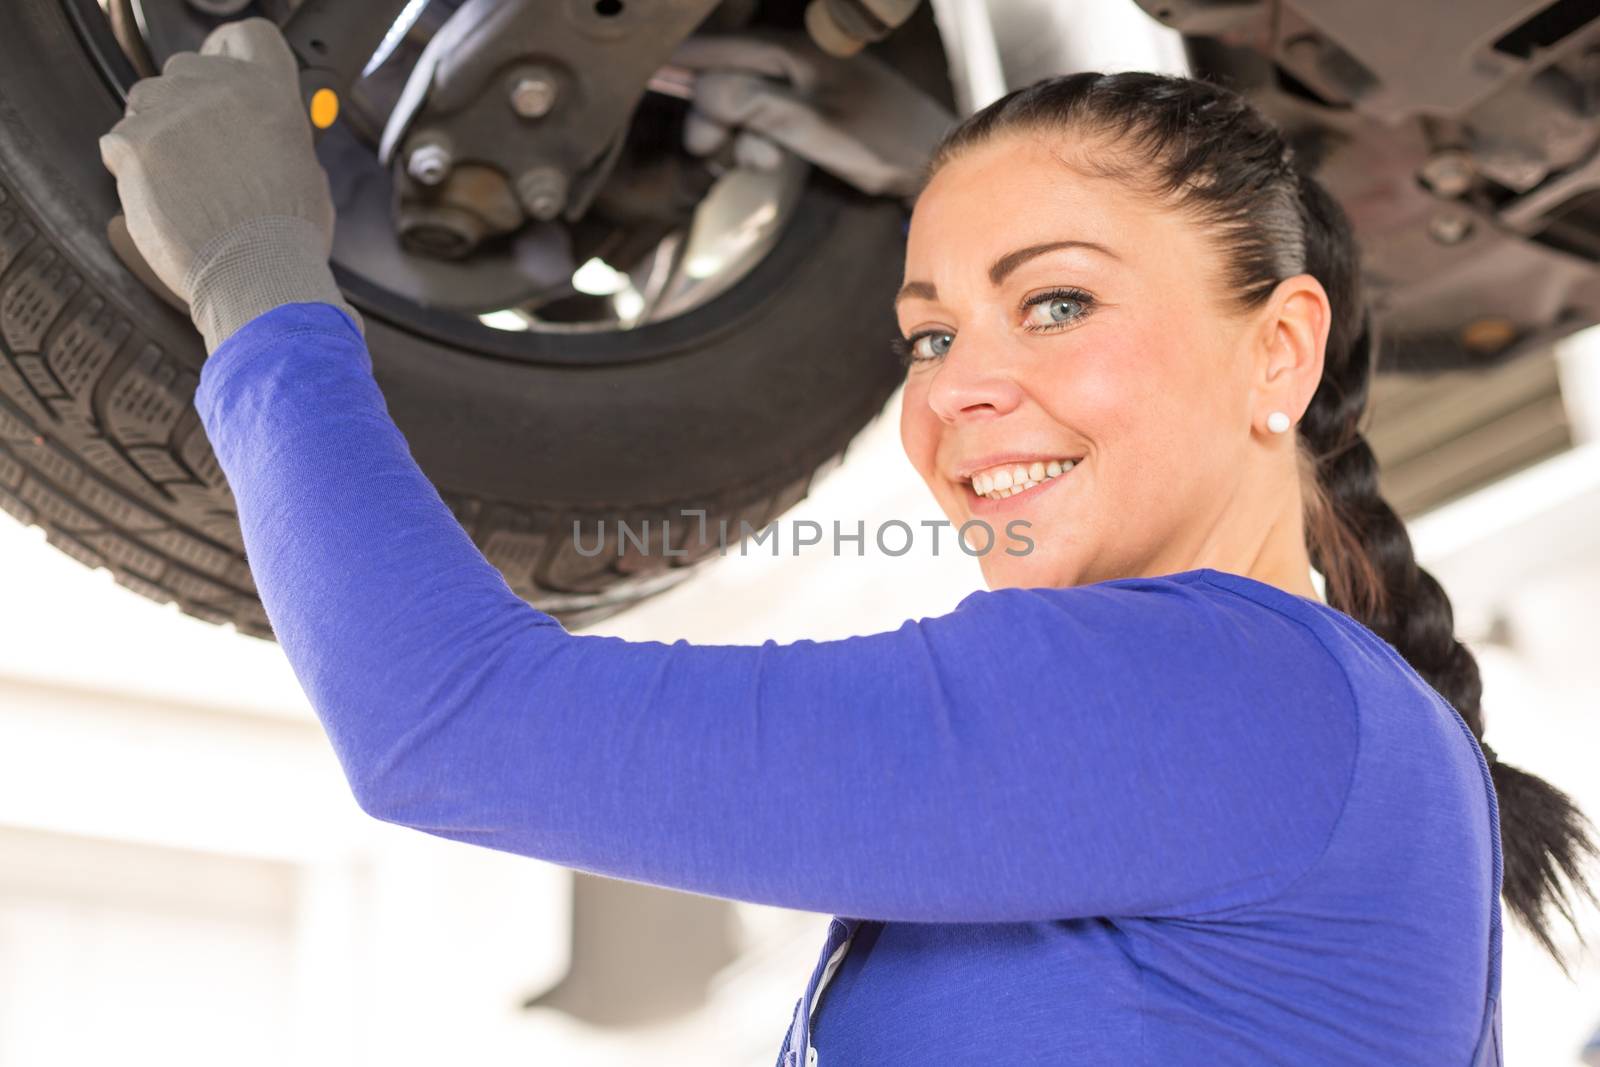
(1148, 746)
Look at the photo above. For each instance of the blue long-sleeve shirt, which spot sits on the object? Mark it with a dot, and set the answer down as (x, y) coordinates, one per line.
(1172, 820)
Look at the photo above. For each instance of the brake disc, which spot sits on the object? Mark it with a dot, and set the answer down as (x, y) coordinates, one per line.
(636, 229)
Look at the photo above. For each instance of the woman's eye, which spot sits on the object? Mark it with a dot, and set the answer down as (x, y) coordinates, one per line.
(1058, 308)
(931, 345)
(911, 350)
(1053, 310)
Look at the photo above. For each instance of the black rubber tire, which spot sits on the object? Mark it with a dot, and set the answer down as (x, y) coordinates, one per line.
(732, 408)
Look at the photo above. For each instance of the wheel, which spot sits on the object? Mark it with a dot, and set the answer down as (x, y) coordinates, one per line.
(733, 407)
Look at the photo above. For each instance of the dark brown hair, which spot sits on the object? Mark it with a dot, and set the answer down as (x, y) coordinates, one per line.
(1203, 150)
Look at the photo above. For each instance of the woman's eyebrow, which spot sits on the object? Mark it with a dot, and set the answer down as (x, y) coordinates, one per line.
(1012, 260)
(1003, 266)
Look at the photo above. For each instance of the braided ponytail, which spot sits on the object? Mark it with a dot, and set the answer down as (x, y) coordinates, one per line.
(1364, 553)
(1205, 149)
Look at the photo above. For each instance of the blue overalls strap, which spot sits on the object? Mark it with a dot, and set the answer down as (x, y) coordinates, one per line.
(797, 1050)
(1489, 1052)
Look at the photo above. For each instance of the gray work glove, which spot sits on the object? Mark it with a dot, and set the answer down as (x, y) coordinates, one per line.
(856, 118)
(220, 183)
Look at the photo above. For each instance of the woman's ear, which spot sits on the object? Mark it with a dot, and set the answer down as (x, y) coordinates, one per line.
(1292, 341)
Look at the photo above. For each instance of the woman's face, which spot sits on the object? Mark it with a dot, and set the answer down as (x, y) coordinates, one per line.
(1119, 356)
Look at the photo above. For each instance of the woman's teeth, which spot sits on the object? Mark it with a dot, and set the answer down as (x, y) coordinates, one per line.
(997, 483)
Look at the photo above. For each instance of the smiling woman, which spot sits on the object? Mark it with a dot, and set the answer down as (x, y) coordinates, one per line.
(1122, 350)
(1146, 800)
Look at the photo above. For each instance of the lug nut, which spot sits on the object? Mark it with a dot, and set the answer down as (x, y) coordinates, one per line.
(543, 192)
(1449, 173)
(1450, 227)
(429, 163)
(533, 95)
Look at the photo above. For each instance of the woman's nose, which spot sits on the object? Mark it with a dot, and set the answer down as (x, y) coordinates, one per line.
(967, 385)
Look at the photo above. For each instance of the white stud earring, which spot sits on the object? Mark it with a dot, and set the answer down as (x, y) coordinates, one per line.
(1277, 422)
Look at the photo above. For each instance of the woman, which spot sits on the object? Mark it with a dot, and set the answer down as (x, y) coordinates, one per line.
(1145, 800)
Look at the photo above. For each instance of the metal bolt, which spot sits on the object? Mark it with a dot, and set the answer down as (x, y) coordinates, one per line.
(543, 192)
(533, 95)
(1450, 227)
(1449, 173)
(429, 163)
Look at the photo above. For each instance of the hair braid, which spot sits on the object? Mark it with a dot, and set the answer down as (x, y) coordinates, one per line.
(1362, 549)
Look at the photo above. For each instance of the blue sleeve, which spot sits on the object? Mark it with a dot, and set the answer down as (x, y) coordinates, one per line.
(1146, 746)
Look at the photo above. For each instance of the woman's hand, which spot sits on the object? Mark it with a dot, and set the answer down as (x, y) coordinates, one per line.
(218, 177)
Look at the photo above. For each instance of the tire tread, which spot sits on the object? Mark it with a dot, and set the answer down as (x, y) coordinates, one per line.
(100, 446)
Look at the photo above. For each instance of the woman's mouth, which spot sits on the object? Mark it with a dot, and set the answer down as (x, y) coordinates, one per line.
(1014, 485)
